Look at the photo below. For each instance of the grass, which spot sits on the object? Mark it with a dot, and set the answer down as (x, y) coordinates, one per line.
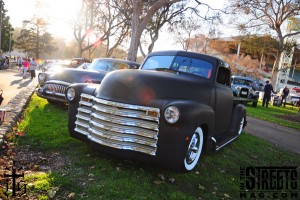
(92, 175)
(273, 113)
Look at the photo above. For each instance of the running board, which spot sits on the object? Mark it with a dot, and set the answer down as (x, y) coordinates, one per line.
(217, 148)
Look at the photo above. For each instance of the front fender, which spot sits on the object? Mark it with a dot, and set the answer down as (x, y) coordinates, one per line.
(174, 138)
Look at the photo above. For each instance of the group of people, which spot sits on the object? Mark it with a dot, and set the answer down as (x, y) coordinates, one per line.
(28, 64)
(268, 91)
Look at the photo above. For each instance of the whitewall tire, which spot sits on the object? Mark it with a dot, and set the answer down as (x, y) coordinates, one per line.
(194, 150)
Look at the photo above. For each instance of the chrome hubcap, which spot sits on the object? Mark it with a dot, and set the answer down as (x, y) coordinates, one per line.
(193, 149)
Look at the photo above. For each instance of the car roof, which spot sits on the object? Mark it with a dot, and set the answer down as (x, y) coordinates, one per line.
(119, 60)
(242, 77)
(185, 53)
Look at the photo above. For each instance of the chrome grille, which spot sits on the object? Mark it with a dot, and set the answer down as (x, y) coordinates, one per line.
(118, 125)
(55, 89)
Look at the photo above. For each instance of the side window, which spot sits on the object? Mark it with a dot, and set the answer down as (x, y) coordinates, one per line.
(223, 76)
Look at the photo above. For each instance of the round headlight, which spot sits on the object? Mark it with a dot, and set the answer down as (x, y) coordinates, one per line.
(238, 87)
(41, 78)
(171, 114)
(70, 95)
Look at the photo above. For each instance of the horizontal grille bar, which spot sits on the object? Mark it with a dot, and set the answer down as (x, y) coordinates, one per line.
(118, 125)
(57, 89)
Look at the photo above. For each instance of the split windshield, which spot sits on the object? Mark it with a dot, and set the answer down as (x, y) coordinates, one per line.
(181, 64)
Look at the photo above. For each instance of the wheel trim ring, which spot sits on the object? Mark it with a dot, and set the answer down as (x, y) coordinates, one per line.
(189, 165)
(241, 125)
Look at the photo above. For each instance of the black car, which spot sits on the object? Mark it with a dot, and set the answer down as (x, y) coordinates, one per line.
(176, 106)
(53, 84)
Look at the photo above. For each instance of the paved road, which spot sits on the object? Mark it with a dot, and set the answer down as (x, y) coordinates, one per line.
(12, 82)
(284, 137)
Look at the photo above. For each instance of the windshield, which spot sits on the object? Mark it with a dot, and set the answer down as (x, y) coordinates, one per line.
(242, 82)
(106, 65)
(179, 63)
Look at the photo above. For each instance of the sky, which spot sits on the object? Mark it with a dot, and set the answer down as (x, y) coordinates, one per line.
(60, 12)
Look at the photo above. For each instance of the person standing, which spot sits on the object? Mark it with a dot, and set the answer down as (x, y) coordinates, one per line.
(285, 93)
(33, 65)
(26, 65)
(267, 94)
(19, 62)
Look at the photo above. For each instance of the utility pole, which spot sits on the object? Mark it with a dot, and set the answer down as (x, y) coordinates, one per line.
(9, 45)
(1, 9)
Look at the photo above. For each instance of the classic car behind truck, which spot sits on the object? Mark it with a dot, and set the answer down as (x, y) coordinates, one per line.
(242, 88)
(176, 106)
(53, 84)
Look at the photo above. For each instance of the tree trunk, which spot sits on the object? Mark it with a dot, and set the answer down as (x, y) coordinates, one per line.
(275, 70)
(138, 24)
(79, 52)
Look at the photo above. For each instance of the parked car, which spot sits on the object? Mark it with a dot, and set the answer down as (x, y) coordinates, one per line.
(53, 85)
(53, 66)
(76, 62)
(242, 87)
(175, 106)
(293, 98)
(56, 65)
(83, 66)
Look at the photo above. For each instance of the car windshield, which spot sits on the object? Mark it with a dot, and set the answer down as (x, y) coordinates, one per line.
(106, 65)
(181, 64)
(239, 81)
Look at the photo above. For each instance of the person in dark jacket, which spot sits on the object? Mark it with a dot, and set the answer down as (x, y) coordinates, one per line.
(285, 93)
(267, 95)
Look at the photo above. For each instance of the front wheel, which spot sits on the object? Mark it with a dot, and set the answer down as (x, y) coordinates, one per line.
(194, 150)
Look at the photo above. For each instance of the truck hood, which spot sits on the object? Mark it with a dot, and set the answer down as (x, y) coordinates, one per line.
(141, 87)
(77, 76)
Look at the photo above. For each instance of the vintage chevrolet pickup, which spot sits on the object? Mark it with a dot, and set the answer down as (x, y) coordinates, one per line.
(176, 106)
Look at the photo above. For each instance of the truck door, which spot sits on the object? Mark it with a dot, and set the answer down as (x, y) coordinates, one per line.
(224, 102)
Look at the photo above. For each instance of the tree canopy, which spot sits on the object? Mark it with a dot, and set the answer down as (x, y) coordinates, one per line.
(34, 37)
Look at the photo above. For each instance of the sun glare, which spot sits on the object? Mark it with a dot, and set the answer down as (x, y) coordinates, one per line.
(59, 14)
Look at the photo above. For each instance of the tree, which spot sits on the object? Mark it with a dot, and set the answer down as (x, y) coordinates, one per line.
(141, 16)
(260, 47)
(185, 30)
(34, 37)
(165, 15)
(243, 65)
(98, 22)
(6, 32)
(271, 13)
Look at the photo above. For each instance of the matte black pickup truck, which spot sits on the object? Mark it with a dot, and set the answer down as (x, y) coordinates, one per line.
(176, 106)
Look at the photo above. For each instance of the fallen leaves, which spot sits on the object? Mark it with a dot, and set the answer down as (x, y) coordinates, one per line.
(163, 179)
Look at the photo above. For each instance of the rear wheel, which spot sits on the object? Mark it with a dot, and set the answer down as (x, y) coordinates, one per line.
(194, 150)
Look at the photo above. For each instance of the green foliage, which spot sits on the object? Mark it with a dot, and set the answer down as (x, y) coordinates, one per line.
(93, 175)
(258, 45)
(34, 37)
(5, 32)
